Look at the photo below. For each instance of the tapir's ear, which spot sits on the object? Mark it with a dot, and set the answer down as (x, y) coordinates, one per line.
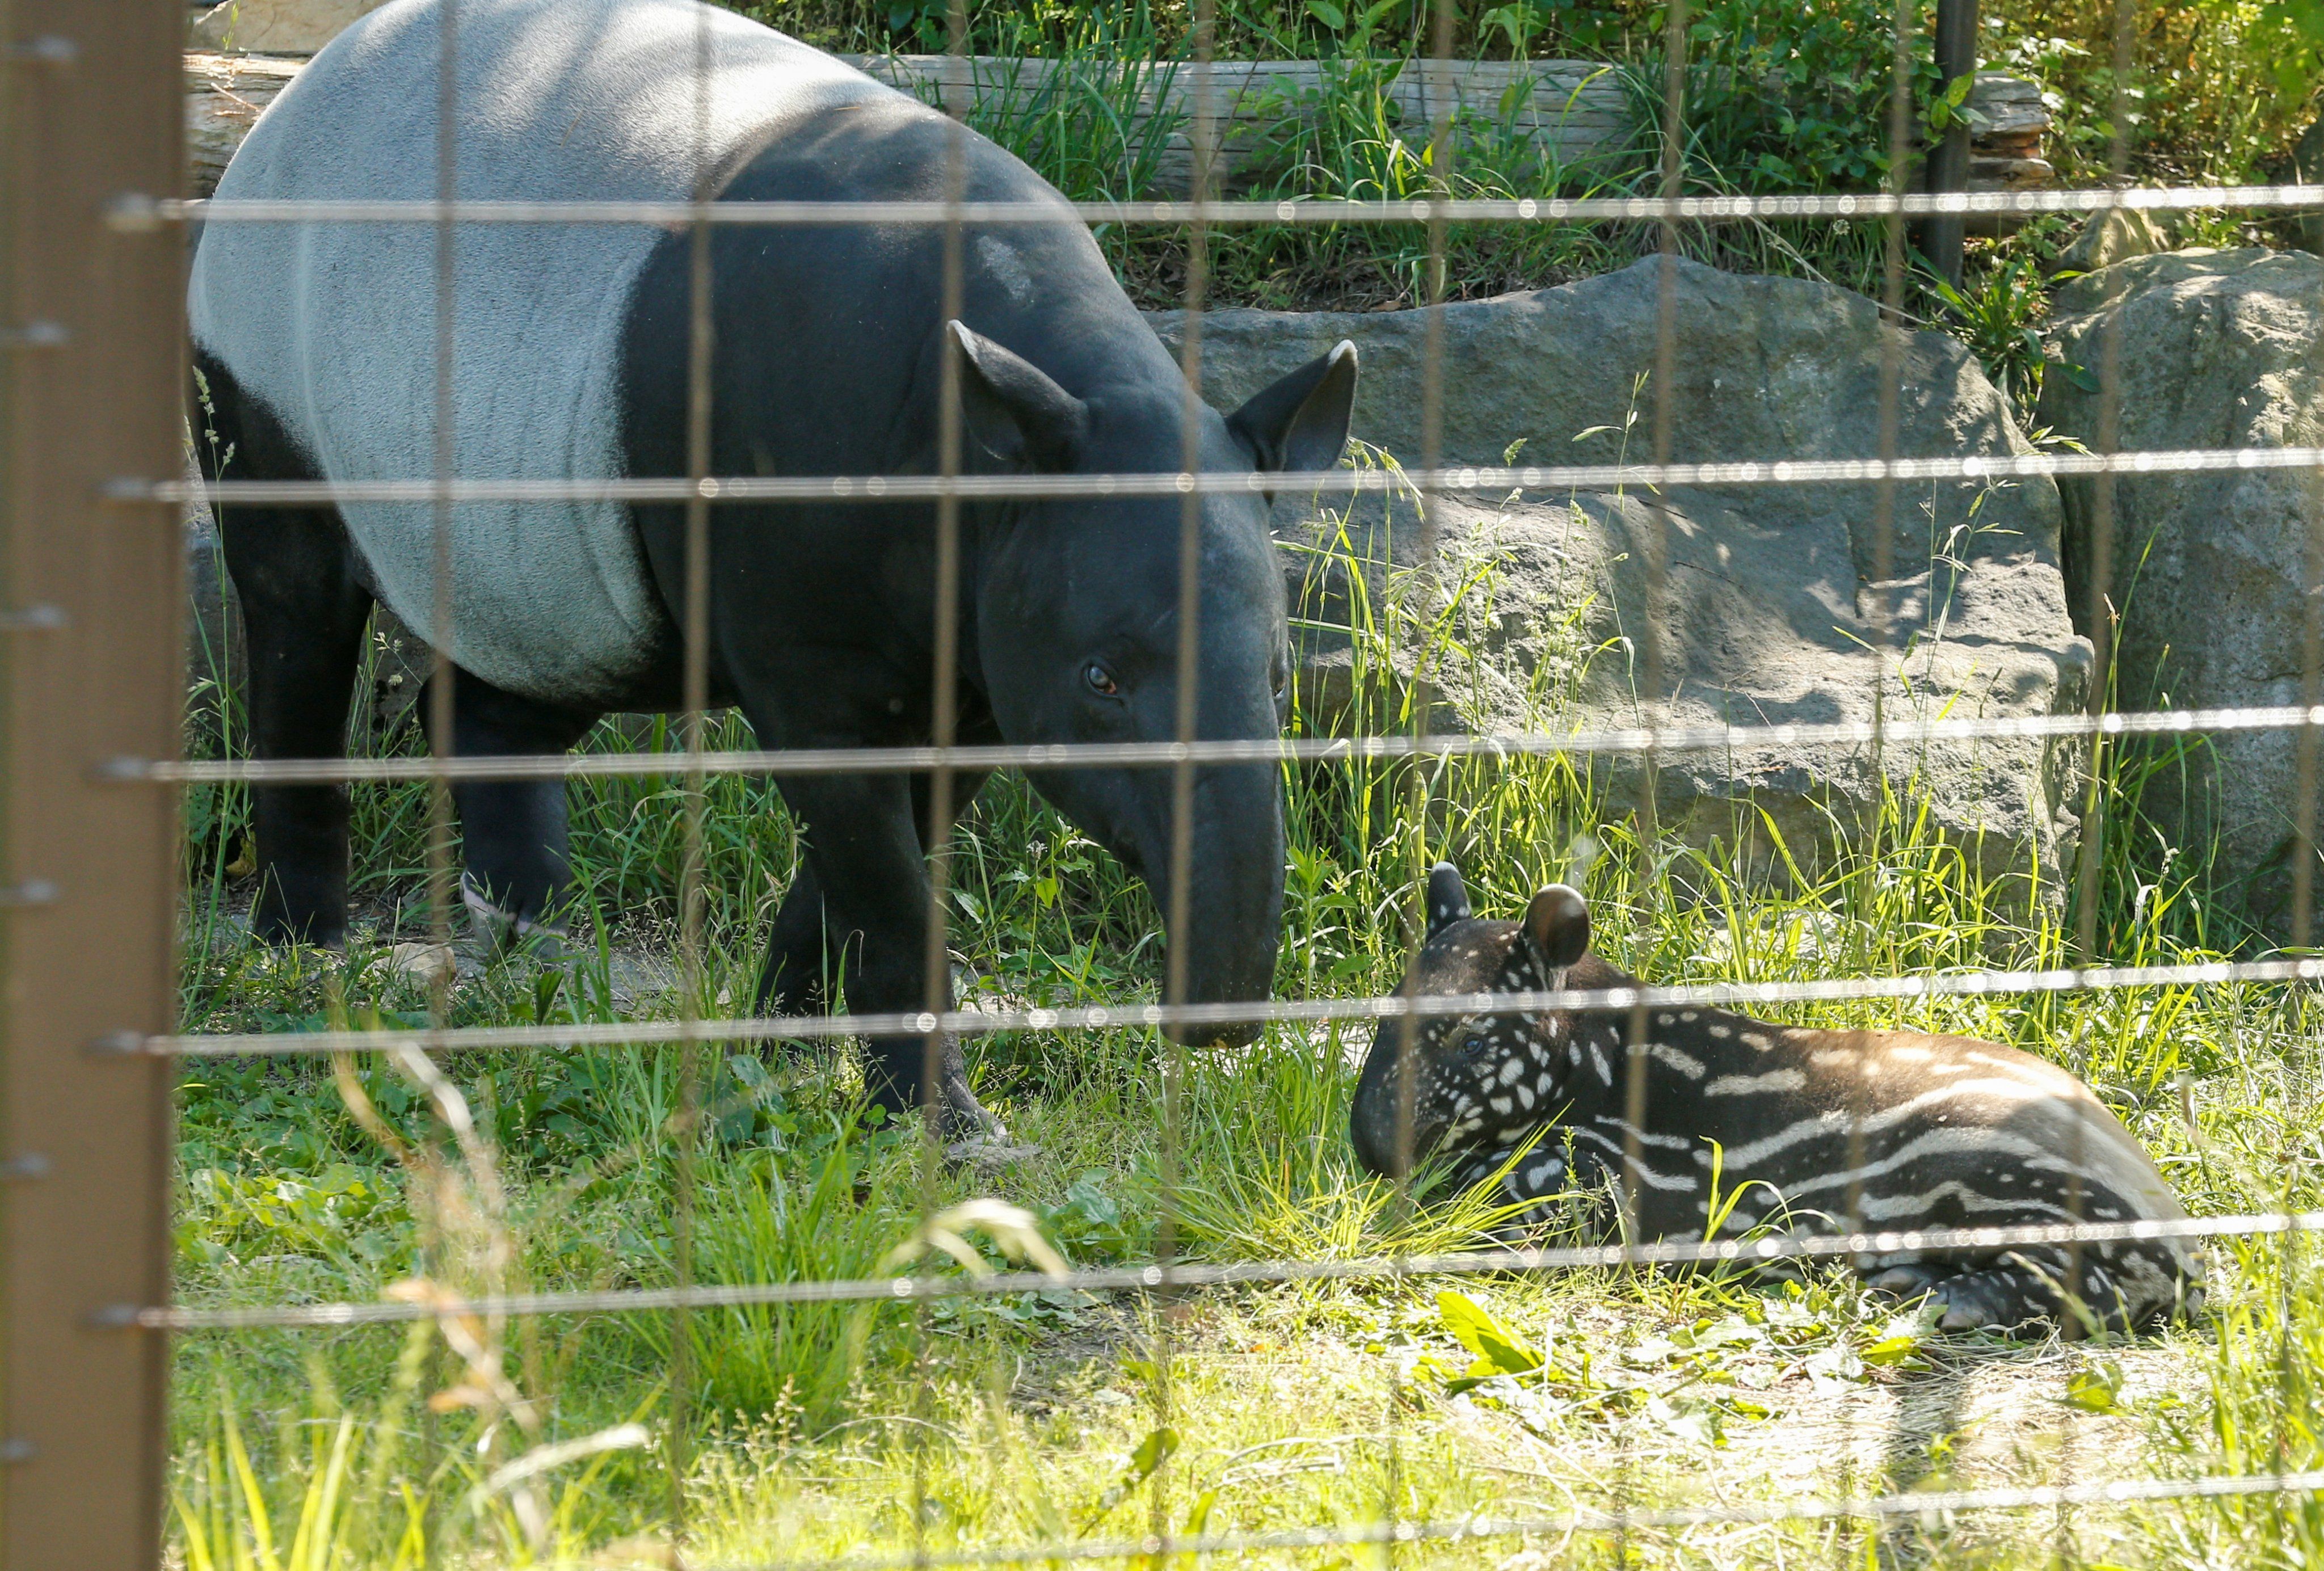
(1558, 923)
(1010, 409)
(1300, 424)
(1448, 898)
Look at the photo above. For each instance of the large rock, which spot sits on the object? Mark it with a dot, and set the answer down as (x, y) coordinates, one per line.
(2110, 235)
(2218, 349)
(1777, 604)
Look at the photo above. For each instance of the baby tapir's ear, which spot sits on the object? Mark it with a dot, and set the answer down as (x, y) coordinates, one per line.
(1448, 898)
(1558, 923)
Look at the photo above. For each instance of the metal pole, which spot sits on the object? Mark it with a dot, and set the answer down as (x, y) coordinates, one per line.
(1956, 52)
(91, 380)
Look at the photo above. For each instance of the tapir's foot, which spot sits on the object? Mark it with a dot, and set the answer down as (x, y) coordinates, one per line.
(973, 1138)
(279, 933)
(1910, 1280)
(297, 914)
(988, 1152)
(2001, 1298)
(503, 931)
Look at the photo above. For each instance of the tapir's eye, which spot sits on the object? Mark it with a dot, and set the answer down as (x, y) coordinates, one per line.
(1473, 1048)
(1101, 680)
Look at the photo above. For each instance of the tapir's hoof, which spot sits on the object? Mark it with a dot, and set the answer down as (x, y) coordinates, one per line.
(1905, 1282)
(988, 1151)
(503, 932)
(1997, 1299)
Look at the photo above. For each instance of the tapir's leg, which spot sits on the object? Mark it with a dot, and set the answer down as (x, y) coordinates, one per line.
(864, 853)
(303, 618)
(803, 954)
(804, 957)
(1911, 1279)
(2033, 1284)
(304, 613)
(512, 832)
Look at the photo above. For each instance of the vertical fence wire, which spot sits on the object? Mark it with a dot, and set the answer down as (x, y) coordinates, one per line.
(2291, 1361)
(440, 676)
(1443, 153)
(691, 894)
(1163, 1305)
(2302, 931)
(1637, 1057)
(2076, 1322)
(1891, 330)
(959, 79)
(2107, 440)
(440, 873)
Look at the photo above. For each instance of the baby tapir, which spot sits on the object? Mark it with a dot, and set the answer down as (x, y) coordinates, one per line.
(1814, 1130)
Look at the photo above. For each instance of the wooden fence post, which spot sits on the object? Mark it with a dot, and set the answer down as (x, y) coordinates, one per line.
(91, 109)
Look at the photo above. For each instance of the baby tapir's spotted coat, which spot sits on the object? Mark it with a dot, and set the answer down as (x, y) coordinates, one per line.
(1814, 1128)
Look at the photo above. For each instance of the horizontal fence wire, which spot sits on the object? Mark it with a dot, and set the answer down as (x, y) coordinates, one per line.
(136, 212)
(1735, 1252)
(1256, 1012)
(1130, 486)
(1164, 1016)
(1041, 756)
(1933, 1502)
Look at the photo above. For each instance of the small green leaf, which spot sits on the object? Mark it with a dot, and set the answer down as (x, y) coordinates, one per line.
(1700, 1425)
(1834, 1370)
(1329, 14)
(1157, 1448)
(1498, 1349)
(2095, 1387)
(1723, 1332)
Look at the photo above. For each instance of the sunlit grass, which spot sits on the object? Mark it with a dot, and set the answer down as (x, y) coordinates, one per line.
(876, 1427)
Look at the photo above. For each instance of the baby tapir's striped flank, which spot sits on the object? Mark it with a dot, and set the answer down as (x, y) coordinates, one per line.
(1814, 1130)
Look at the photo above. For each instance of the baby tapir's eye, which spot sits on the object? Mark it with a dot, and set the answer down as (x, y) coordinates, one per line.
(1474, 1047)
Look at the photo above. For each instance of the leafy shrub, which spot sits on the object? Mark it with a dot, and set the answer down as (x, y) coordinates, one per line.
(1794, 96)
(2217, 90)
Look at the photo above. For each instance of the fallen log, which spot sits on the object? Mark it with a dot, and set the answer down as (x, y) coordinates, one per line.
(1572, 112)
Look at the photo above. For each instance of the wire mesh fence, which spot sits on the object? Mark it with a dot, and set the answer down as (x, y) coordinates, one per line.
(948, 759)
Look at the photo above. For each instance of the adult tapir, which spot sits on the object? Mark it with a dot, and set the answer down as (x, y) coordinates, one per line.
(569, 349)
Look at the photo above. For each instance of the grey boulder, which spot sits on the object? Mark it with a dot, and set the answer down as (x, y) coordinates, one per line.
(2208, 572)
(1778, 604)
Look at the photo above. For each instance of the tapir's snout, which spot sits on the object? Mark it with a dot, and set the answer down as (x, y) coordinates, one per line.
(1375, 1116)
(1233, 915)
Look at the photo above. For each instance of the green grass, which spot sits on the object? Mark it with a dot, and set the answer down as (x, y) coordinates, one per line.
(872, 1427)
